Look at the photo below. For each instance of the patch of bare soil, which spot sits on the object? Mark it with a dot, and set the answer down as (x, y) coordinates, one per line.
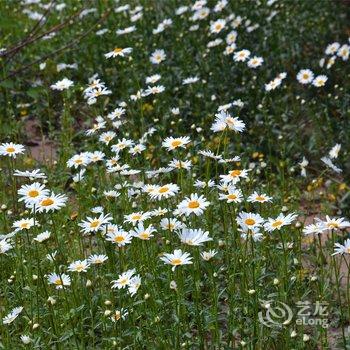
(40, 147)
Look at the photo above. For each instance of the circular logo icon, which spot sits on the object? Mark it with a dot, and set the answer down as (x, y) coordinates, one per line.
(275, 316)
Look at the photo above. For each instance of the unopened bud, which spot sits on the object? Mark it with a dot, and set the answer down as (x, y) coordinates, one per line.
(306, 338)
(51, 300)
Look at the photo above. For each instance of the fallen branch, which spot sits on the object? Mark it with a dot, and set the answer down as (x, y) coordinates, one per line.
(76, 41)
(36, 38)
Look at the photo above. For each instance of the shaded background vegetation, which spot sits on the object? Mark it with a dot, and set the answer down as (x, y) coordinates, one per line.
(302, 121)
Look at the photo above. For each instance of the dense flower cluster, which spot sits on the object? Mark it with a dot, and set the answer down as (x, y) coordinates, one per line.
(155, 220)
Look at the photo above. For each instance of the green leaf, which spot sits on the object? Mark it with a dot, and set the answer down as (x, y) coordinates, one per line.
(34, 92)
(7, 84)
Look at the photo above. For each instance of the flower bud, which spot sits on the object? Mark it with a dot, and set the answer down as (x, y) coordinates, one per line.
(51, 300)
(107, 312)
(306, 338)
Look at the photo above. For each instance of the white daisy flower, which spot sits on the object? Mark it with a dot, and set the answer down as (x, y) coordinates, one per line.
(59, 281)
(305, 76)
(194, 237)
(119, 52)
(249, 221)
(123, 279)
(63, 84)
(194, 204)
(11, 149)
(10, 317)
(177, 258)
(172, 143)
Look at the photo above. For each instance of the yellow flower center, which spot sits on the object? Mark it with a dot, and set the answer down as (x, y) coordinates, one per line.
(231, 196)
(47, 202)
(58, 282)
(10, 149)
(306, 76)
(117, 50)
(193, 204)
(78, 161)
(176, 143)
(235, 173)
(117, 315)
(119, 239)
(163, 189)
(333, 225)
(277, 223)
(33, 193)
(218, 26)
(123, 281)
(136, 217)
(250, 222)
(230, 121)
(95, 223)
(144, 235)
(176, 261)
(79, 267)
(260, 198)
(24, 225)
